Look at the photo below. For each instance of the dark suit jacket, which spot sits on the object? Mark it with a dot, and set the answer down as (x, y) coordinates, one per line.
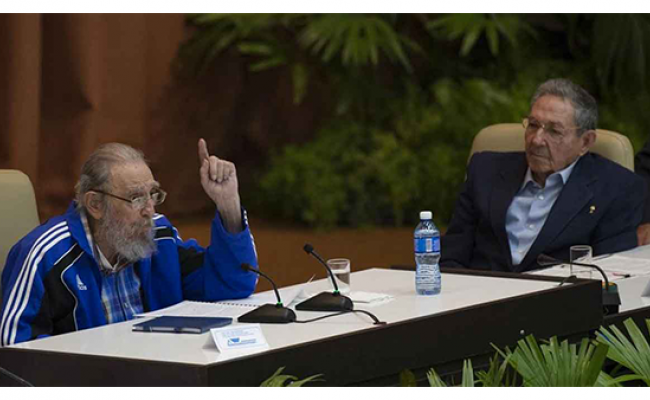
(642, 167)
(601, 205)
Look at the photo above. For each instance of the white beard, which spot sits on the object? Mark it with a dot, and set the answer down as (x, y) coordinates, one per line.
(129, 242)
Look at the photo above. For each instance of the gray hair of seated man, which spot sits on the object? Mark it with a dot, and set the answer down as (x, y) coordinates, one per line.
(584, 104)
(96, 171)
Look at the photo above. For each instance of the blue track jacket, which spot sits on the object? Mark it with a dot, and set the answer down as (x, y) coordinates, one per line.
(51, 283)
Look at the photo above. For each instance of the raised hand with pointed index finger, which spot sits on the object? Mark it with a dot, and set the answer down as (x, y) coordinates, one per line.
(219, 180)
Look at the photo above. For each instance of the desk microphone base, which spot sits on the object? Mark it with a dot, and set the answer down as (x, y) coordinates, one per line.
(611, 299)
(269, 314)
(326, 301)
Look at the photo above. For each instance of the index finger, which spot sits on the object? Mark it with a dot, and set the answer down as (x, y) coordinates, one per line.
(203, 150)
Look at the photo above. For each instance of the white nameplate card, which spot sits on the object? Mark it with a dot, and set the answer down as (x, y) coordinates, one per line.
(239, 337)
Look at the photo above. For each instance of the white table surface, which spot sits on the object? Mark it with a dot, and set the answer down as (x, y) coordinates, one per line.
(459, 291)
(630, 289)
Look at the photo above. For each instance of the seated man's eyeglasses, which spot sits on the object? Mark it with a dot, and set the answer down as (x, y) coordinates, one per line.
(139, 202)
(532, 126)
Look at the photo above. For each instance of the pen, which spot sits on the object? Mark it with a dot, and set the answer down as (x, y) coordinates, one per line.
(623, 275)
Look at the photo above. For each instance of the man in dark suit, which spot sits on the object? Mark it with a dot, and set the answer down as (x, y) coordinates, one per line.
(515, 206)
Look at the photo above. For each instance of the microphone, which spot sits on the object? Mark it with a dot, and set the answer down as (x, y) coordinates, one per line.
(325, 301)
(309, 249)
(268, 313)
(611, 298)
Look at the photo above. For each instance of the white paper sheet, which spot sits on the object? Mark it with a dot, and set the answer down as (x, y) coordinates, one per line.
(616, 267)
(370, 297)
(623, 265)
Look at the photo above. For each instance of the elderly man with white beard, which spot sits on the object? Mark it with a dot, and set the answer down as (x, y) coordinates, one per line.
(110, 257)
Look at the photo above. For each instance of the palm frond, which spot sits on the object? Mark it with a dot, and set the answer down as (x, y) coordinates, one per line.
(557, 363)
(468, 374)
(434, 379)
(277, 380)
(633, 354)
(470, 27)
(499, 373)
(218, 32)
(355, 39)
(467, 379)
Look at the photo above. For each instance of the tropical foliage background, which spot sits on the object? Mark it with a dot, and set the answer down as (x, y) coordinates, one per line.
(404, 94)
(544, 363)
(563, 364)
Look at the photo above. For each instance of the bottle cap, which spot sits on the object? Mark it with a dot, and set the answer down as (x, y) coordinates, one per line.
(425, 215)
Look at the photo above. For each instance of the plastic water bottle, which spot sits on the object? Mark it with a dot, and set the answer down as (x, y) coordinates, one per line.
(427, 255)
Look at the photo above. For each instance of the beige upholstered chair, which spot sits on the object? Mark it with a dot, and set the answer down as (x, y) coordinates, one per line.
(510, 137)
(18, 214)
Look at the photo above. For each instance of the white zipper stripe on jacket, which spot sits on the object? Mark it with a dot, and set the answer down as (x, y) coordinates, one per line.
(17, 296)
(76, 301)
(5, 317)
(30, 281)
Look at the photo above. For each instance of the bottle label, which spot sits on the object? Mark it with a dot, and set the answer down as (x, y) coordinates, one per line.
(427, 245)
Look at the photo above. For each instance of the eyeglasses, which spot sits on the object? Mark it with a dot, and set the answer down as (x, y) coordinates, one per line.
(139, 202)
(532, 126)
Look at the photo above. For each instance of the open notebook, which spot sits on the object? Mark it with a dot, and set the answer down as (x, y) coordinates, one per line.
(228, 308)
(236, 308)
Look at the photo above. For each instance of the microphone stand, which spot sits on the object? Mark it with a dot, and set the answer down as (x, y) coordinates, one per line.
(268, 313)
(325, 301)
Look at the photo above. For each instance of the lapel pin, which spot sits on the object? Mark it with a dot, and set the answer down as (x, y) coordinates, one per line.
(592, 209)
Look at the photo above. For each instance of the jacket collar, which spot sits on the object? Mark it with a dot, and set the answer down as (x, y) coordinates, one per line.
(564, 175)
(76, 227)
(574, 196)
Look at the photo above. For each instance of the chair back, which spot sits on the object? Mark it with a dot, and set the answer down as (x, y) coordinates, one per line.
(18, 213)
(510, 137)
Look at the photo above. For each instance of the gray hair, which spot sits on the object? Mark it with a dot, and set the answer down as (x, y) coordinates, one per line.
(584, 105)
(96, 171)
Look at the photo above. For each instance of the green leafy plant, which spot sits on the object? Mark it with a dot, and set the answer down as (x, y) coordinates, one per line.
(557, 364)
(383, 173)
(499, 373)
(216, 33)
(302, 42)
(621, 51)
(617, 46)
(357, 39)
(399, 109)
(471, 26)
(552, 363)
(467, 379)
(627, 114)
(549, 364)
(278, 380)
(632, 353)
